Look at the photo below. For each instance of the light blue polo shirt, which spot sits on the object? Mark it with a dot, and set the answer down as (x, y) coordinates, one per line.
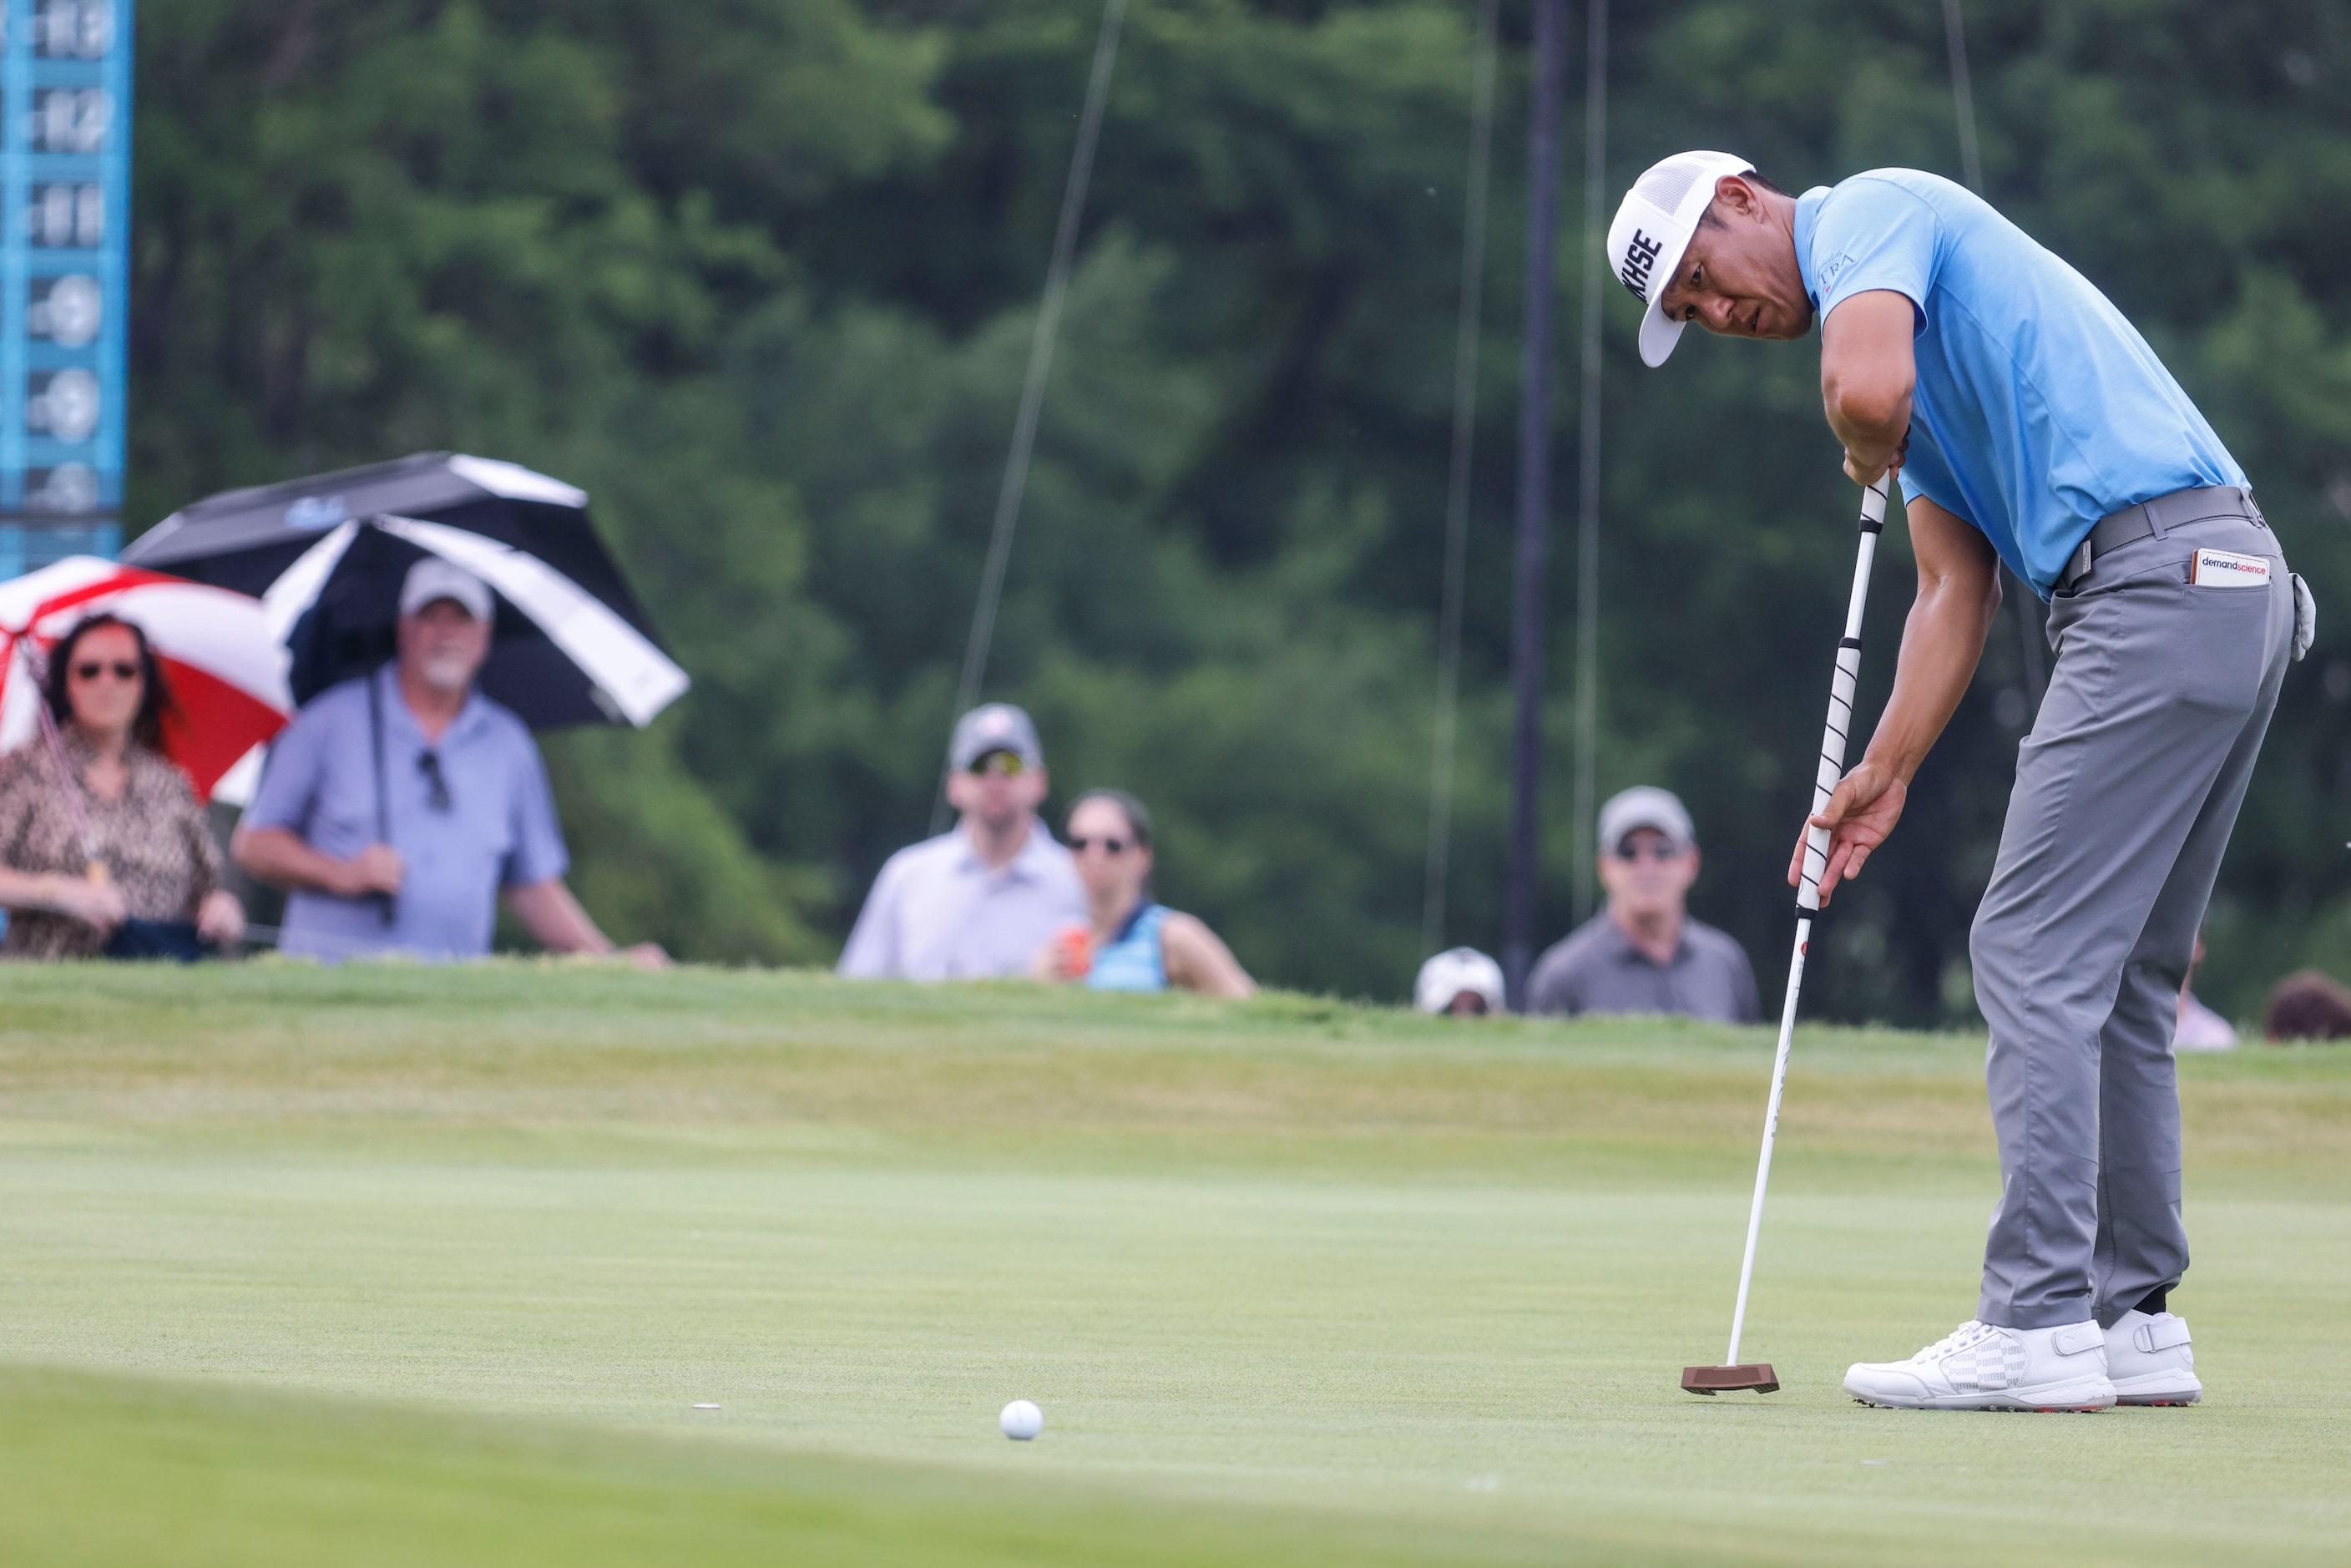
(497, 830)
(2039, 409)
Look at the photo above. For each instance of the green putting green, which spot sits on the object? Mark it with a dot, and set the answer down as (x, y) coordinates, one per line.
(383, 1264)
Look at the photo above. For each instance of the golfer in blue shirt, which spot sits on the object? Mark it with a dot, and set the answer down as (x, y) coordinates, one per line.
(2033, 425)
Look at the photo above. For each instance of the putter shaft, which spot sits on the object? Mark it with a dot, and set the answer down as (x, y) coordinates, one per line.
(1816, 857)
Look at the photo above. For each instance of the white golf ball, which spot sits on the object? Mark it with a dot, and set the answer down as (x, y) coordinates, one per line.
(1021, 1420)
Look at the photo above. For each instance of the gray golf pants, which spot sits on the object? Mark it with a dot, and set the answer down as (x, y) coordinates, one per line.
(2126, 791)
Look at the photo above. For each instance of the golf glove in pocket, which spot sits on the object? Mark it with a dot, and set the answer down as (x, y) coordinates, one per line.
(2305, 616)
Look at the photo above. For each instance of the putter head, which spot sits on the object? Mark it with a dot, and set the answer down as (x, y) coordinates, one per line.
(1712, 1380)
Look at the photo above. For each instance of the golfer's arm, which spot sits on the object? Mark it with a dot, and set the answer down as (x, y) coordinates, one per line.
(279, 857)
(551, 915)
(1867, 374)
(1959, 593)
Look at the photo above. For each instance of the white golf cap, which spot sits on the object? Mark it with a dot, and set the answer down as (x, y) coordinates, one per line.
(1447, 975)
(1644, 805)
(1652, 228)
(433, 578)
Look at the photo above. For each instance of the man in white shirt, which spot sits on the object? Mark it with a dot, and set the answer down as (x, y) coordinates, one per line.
(977, 902)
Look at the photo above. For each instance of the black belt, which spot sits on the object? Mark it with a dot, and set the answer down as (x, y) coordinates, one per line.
(2159, 516)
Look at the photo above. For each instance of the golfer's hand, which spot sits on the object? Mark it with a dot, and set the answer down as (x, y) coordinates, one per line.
(1861, 472)
(220, 919)
(375, 869)
(93, 903)
(1865, 805)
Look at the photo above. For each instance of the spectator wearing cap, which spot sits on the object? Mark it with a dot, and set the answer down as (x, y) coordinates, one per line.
(1643, 953)
(398, 805)
(1460, 982)
(976, 902)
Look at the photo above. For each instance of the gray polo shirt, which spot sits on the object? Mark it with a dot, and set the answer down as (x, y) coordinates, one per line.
(497, 830)
(937, 913)
(1595, 968)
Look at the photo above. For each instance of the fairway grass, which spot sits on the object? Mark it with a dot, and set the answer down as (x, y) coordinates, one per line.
(383, 1264)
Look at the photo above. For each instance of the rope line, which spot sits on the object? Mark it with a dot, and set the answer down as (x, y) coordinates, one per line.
(1456, 486)
(1032, 386)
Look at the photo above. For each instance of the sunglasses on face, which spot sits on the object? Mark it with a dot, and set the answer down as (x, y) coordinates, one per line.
(1109, 846)
(1656, 849)
(1002, 764)
(121, 671)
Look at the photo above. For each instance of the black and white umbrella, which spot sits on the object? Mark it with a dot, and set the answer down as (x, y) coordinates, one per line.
(559, 655)
(571, 645)
(245, 540)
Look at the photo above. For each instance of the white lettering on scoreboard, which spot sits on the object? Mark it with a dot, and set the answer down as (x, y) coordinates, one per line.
(64, 129)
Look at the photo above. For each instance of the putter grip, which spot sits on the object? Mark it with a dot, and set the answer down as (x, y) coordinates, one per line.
(1832, 768)
(1841, 693)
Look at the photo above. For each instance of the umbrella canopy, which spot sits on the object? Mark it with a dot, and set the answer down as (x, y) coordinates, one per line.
(245, 540)
(559, 655)
(226, 671)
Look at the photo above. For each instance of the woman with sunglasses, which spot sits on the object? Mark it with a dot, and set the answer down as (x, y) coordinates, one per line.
(1131, 943)
(103, 849)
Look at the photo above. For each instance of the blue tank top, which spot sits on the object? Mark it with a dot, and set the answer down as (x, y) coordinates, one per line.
(1132, 961)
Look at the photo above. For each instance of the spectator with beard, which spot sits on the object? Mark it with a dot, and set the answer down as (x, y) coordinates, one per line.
(397, 807)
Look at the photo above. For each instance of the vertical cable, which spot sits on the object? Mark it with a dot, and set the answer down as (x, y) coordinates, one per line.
(1456, 487)
(1535, 499)
(1587, 511)
(1032, 386)
(1963, 96)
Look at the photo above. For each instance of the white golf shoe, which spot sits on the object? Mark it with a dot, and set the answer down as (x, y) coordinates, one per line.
(1982, 1366)
(2150, 1361)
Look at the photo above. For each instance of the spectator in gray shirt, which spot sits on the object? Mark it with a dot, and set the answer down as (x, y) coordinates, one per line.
(1643, 953)
(974, 903)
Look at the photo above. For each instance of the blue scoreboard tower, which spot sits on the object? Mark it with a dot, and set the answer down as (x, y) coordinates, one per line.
(65, 221)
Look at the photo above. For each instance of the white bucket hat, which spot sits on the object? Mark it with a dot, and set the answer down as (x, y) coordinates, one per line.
(1653, 227)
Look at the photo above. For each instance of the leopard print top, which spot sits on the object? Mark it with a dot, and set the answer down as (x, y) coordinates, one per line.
(155, 841)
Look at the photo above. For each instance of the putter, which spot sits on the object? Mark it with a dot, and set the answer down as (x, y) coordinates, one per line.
(1758, 1375)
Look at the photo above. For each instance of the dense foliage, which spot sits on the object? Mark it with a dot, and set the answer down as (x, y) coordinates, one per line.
(760, 275)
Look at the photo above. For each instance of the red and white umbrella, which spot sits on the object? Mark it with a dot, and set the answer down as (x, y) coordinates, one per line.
(226, 670)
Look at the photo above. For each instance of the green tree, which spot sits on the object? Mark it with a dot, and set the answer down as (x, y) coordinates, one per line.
(760, 275)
